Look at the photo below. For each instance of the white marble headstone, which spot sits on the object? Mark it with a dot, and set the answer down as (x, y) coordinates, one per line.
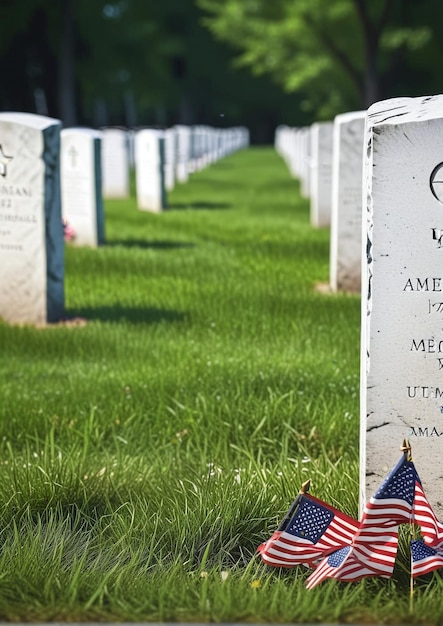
(31, 231)
(170, 158)
(81, 184)
(183, 152)
(305, 162)
(115, 163)
(321, 173)
(346, 213)
(402, 308)
(149, 170)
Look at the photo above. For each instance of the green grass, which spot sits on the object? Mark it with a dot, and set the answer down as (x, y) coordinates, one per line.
(146, 455)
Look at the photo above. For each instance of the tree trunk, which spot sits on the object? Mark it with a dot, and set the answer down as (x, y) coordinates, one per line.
(371, 79)
(66, 82)
(372, 29)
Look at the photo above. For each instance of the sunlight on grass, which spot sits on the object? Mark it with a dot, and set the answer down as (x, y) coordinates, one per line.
(146, 455)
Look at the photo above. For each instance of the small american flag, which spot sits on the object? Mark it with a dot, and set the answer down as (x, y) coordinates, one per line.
(374, 546)
(424, 558)
(424, 516)
(314, 530)
(341, 565)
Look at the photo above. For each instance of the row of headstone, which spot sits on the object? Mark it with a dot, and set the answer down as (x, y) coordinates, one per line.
(387, 195)
(50, 176)
(327, 157)
(162, 158)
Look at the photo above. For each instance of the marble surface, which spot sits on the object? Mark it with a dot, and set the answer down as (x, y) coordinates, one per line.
(149, 170)
(183, 152)
(402, 307)
(321, 173)
(115, 163)
(346, 206)
(170, 158)
(31, 232)
(82, 201)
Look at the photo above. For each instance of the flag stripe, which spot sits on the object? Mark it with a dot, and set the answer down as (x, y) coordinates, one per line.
(330, 528)
(424, 558)
(374, 547)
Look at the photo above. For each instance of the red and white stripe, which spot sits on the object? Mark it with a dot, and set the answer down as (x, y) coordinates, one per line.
(284, 549)
(368, 556)
(424, 566)
(424, 516)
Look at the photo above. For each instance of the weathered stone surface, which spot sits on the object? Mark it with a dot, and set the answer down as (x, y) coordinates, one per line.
(81, 184)
(115, 163)
(402, 308)
(346, 213)
(321, 173)
(31, 231)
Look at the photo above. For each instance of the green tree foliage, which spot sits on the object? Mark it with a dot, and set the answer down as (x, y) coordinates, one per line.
(343, 54)
(132, 62)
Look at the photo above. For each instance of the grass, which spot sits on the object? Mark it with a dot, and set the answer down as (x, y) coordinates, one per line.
(145, 455)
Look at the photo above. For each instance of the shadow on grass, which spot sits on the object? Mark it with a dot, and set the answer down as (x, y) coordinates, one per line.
(208, 206)
(133, 315)
(153, 245)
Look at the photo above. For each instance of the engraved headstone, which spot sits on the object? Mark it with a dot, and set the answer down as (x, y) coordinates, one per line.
(115, 163)
(149, 170)
(346, 213)
(402, 307)
(31, 231)
(81, 186)
(321, 173)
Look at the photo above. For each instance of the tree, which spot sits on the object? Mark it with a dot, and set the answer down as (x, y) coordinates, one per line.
(130, 62)
(339, 53)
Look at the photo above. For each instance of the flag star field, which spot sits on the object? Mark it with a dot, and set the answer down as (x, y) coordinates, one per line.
(337, 558)
(399, 485)
(420, 550)
(310, 521)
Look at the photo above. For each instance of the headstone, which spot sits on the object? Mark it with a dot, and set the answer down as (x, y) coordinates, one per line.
(305, 161)
(115, 163)
(149, 170)
(402, 308)
(183, 152)
(321, 173)
(31, 231)
(130, 142)
(170, 157)
(346, 213)
(81, 185)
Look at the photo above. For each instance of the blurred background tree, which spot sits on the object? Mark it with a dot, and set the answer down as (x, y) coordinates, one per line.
(256, 63)
(342, 54)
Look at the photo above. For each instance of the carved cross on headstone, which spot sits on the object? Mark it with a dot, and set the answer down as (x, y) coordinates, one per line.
(4, 160)
(73, 154)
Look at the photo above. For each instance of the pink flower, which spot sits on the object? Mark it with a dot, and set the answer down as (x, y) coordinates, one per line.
(68, 231)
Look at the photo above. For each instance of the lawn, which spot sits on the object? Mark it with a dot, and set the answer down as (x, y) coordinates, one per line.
(147, 453)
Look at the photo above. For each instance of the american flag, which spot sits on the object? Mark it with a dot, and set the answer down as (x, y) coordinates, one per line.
(342, 565)
(424, 516)
(391, 504)
(424, 558)
(374, 546)
(315, 529)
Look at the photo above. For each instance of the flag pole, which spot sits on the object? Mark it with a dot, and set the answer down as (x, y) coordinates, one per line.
(407, 451)
(303, 490)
